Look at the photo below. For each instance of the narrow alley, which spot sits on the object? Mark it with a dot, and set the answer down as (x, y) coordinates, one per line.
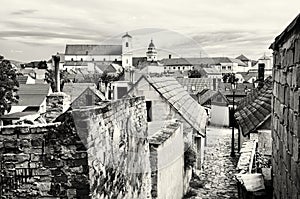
(217, 176)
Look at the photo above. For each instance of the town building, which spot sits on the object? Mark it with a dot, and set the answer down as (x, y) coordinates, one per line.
(285, 112)
(88, 56)
(166, 100)
(83, 94)
(152, 52)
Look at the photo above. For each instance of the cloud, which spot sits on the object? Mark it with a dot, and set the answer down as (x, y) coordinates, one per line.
(24, 12)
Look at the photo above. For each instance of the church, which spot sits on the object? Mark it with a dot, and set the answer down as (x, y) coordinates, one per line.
(89, 56)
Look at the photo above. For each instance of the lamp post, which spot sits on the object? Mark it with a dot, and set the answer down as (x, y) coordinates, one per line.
(233, 86)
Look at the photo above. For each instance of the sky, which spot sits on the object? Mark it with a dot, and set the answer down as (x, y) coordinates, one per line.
(36, 29)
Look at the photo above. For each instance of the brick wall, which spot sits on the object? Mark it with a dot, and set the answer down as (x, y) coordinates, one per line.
(285, 115)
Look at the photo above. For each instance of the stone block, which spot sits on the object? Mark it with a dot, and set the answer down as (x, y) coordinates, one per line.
(296, 155)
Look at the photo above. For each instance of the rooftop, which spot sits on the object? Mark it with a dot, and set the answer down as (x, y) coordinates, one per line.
(255, 109)
(182, 102)
(74, 90)
(32, 94)
(196, 84)
(84, 49)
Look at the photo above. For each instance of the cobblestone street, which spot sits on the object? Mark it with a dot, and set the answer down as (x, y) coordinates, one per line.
(218, 172)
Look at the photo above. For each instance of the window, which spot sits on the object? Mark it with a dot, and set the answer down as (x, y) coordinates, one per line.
(165, 68)
(193, 88)
(223, 67)
(127, 61)
(104, 59)
(72, 59)
(127, 45)
(178, 67)
(89, 100)
(183, 68)
(229, 67)
(149, 111)
(81, 59)
(93, 59)
(174, 68)
(116, 60)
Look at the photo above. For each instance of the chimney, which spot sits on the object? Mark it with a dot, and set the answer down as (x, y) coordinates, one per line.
(170, 56)
(56, 60)
(261, 74)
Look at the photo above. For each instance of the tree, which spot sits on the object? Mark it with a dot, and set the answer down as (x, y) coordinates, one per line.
(229, 78)
(194, 74)
(50, 78)
(8, 85)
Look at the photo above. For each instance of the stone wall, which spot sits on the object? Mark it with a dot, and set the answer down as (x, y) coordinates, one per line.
(42, 161)
(99, 152)
(115, 135)
(285, 113)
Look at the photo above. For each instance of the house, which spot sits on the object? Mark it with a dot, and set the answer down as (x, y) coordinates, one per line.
(83, 94)
(240, 91)
(32, 96)
(210, 72)
(219, 113)
(31, 104)
(253, 113)
(222, 64)
(166, 99)
(195, 85)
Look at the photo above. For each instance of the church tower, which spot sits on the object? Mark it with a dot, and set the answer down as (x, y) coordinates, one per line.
(151, 53)
(127, 50)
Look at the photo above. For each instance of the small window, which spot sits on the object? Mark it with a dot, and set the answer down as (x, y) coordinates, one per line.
(93, 59)
(81, 59)
(72, 59)
(178, 67)
(165, 68)
(223, 67)
(149, 111)
(104, 59)
(127, 45)
(174, 68)
(229, 67)
(127, 61)
(193, 88)
(183, 68)
(116, 60)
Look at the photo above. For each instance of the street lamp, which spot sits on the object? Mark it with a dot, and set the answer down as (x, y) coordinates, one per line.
(233, 87)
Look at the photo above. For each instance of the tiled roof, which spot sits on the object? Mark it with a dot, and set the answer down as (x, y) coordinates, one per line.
(211, 70)
(241, 88)
(198, 83)
(255, 109)
(83, 49)
(242, 58)
(22, 79)
(75, 89)
(32, 94)
(187, 107)
(206, 95)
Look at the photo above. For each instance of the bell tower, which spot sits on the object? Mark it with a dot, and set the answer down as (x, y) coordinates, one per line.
(127, 51)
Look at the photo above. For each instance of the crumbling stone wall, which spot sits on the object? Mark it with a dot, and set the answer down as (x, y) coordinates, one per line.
(286, 118)
(115, 135)
(99, 152)
(43, 161)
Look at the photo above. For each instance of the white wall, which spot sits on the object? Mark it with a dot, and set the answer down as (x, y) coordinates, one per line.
(171, 167)
(219, 115)
(91, 57)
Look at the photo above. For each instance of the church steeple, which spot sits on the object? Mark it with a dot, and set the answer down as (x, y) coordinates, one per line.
(151, 53)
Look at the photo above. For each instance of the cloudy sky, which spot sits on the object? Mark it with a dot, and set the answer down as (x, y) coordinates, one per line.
(36, 29)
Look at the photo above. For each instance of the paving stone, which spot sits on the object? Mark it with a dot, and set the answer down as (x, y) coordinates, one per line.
(219, 168)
